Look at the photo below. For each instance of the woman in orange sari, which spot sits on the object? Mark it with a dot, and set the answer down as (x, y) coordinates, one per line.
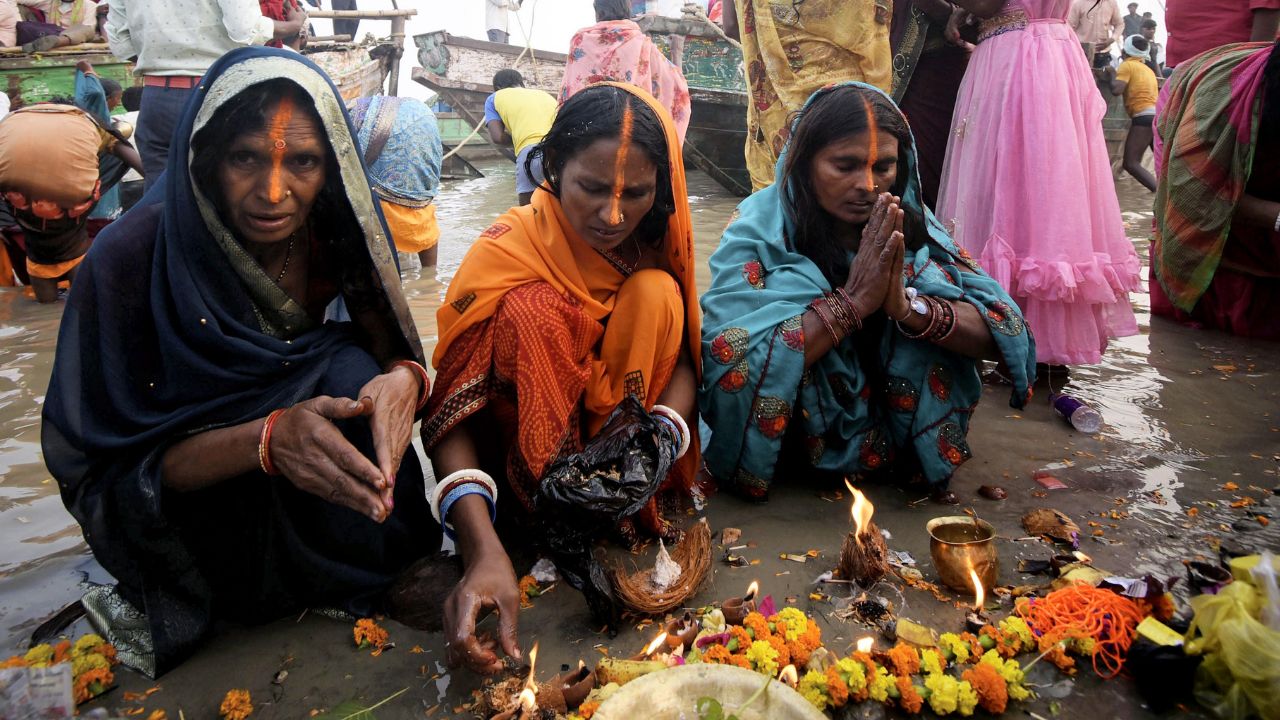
(569, 314)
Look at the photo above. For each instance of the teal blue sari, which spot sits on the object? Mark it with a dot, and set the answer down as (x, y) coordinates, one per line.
(911, 412)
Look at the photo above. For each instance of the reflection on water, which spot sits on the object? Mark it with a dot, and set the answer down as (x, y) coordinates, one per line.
(1155, 437)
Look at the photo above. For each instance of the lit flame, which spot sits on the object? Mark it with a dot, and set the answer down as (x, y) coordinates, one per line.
(865, 644)
(752, 589)
(979, 595)
(533, 662)
(861, 512)
(654, 645)
(789, 676)
(528, 700)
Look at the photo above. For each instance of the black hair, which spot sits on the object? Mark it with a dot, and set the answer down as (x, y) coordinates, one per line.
(837, 115)
(612, 10)
(110, 87)
(596, 114)
(1139, 43)
(132, 98)
(507, 78)
(1148, 23)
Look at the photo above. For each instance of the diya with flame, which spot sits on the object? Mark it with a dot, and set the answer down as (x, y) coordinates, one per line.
(864, 556)
(526, 704)
(976, 618)
(736, 609)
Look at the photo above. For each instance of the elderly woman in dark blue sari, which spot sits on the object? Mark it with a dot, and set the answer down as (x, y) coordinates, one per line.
(843, 328)
(231, 449)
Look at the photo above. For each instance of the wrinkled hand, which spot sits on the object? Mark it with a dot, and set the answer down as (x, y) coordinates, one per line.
(489, 584)
(869, 274)
(84, 67)
(959, 19)
(310, 451)
(393, 397)
(896, 304)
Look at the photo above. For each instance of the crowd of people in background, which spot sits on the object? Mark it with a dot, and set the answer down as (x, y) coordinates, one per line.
(933, 190)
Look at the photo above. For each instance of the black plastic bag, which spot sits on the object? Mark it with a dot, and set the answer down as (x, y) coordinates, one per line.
(584, 495)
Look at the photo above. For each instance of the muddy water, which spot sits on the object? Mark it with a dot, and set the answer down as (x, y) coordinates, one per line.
(1171, 420)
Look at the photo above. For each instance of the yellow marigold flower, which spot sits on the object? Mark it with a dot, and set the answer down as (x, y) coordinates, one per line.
(39, 656)
(793, 622)
(957, 647)
(85, 663)
(237, 705)
(932, 661)
(763, 658)
(1015, 626)
(1010, 671)
(813, 687)
(368, 633)
(854, 675)
(878, 687)
(968, 698)
(87, 644)
(944, 693)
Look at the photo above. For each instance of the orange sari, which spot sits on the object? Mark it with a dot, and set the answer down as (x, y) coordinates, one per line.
(526, 330)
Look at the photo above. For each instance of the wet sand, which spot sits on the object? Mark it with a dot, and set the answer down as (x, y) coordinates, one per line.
(1176, 429)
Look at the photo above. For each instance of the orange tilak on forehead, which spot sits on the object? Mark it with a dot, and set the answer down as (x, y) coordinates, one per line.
(275, 131)
(620, 167)
(873, 143)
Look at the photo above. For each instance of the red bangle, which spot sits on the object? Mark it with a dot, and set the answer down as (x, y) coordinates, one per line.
(264, 443)
(422, 375)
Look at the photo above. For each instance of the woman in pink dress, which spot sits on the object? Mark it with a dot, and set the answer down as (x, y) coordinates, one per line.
(1027, 186)
(616, 49)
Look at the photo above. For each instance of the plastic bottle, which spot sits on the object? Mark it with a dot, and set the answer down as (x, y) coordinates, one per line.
(1082, 417)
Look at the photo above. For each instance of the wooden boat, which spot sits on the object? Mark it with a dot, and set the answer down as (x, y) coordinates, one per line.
(358, 70)
(460, 70)
(38, 77)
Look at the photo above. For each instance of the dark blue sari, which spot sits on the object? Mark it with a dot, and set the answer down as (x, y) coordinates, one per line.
(171, 330)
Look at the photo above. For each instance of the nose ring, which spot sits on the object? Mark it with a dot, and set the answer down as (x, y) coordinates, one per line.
(288, 193)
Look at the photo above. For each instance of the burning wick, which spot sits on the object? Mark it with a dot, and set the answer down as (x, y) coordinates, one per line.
(789, 676)
(752, 589)
(976, 619)
(528, 700)
(865, 644)
(620, 167)
(526, 705)
(653, 646)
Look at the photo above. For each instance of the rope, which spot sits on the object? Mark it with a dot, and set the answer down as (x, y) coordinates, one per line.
(698, 14)
(528, 48)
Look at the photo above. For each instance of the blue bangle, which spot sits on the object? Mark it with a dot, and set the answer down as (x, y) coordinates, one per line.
(457, 494)
(671, 425)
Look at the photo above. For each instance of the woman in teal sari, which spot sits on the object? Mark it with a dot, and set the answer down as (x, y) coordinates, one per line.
(843, 327)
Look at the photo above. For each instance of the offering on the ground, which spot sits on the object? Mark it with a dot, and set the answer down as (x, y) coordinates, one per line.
(863, 557)
(39, 678)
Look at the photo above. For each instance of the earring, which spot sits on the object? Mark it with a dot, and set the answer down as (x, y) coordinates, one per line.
(288, 193)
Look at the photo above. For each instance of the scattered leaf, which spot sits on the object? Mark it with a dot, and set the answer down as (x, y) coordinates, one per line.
(1192, 512)
(729, 536)
(1230, 486)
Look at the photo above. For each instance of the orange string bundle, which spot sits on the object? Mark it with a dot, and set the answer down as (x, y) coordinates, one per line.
(1086, 612)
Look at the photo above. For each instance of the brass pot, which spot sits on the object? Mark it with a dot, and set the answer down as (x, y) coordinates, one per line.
(957, 543)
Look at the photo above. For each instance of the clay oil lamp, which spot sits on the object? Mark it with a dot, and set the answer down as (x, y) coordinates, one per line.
(682, 631)
(976, 618)
(576, 684)
(736, 609)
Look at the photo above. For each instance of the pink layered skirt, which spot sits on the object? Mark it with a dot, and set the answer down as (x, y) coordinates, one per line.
(1027, 189)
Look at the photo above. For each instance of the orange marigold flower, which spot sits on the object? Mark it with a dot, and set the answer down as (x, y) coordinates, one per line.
(92, 683)
(368, 633)
(975, 647)
(106, 650)
(1061, 660)
(237, 705)
(756, 623)
(717, 654)
(993, 693)
(904, 659)
(837, 690)
(783, 648)
(1003, 646)
(528, 590)
(812, 636)
(14, 662)
(588, 709)
(62, 652)
(740, 634)
(799, 652)
(910, 699)
(740, 660)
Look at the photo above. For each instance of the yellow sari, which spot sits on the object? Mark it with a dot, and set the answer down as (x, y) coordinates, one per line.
(792, 49)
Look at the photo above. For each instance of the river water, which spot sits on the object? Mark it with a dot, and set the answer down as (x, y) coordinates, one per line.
(43, 557)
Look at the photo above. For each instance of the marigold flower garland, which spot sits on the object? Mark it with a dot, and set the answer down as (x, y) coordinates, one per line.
(91, 659)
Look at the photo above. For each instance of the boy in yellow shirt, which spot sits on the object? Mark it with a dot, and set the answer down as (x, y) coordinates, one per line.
(1135, 80)
(521, 116)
